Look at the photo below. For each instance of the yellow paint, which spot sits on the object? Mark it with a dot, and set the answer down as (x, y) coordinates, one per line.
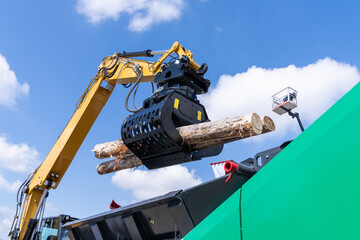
(181, 51)
(199, 116)
(176, 103)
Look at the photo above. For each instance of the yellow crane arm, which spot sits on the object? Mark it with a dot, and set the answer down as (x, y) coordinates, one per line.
(181, 51)
(115, 69)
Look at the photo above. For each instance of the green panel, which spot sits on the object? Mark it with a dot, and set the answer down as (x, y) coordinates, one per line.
(311, 190)
(223, 223)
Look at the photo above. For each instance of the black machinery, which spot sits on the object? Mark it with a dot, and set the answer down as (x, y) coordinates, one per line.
(150, 133)
(173, 215)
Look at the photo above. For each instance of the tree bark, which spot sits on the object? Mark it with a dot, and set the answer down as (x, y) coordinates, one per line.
(196, 136)
(111, 149)
(118, 164)
(208, 134)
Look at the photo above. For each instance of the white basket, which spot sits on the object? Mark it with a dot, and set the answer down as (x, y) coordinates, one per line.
(284, 101)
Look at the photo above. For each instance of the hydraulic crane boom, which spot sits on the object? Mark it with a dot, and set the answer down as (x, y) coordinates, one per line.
(116, 69)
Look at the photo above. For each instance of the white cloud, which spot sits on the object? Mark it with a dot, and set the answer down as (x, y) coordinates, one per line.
(17, 157)
(319, 84)
(5, 225)
(5, 211)
(10, 187)
(10, 88)
(146, 184)
(143, 13)
(6, 215)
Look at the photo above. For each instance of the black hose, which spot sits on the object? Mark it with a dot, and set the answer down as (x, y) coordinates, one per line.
(19, 202)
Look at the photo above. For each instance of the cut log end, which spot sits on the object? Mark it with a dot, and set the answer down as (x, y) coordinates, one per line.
(256, 124)
(111, 149)
(269, 124)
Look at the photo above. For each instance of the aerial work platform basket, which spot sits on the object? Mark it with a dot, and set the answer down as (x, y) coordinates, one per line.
(284, 101)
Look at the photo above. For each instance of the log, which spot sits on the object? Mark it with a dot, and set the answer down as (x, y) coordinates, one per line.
(118, 164)
(196, 136)
(111, 149)
(269, 125)
(210, 134)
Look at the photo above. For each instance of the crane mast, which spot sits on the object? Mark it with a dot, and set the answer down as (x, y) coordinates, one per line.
(119, 68)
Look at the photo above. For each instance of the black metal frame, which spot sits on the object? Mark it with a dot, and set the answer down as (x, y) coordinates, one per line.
(170, 216)
(297, 116)
(151, 132)
(250, 166)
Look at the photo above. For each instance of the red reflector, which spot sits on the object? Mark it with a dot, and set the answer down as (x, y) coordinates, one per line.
(114, 205)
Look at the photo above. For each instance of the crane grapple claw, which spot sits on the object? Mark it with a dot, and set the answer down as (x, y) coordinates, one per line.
(151, 133)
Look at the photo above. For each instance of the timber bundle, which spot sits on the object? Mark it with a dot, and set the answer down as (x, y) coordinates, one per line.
(196, 136)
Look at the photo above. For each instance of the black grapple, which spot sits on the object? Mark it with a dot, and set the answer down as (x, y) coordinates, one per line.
(151, 133)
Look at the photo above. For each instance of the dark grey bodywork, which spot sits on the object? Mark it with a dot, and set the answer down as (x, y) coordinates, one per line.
(170, 216)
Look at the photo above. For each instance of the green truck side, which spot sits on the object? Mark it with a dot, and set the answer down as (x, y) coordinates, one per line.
(310, 190)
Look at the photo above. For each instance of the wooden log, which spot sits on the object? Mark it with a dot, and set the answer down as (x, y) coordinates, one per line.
(269, 124)
(111, 149)
(118, 164)
(197, 136)
(207, 134)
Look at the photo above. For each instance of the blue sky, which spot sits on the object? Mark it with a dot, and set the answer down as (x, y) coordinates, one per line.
(55, 47)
